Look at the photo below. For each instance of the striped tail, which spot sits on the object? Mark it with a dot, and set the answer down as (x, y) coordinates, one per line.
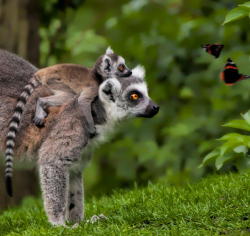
(13, 129)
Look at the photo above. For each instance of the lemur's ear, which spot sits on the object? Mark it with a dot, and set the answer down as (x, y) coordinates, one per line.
(109, 50)
(139, 71)
(109, 90)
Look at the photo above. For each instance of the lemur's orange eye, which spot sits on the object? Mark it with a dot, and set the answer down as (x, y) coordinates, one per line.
(134, 96)
(121, 67)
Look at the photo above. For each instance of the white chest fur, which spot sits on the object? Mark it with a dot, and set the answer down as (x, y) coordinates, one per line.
(103, 132)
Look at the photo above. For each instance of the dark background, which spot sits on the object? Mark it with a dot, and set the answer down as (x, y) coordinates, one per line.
(165, 37)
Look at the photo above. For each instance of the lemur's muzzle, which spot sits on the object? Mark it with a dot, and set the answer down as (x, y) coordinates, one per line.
(125, 73)
(128, 73)
(151, 110)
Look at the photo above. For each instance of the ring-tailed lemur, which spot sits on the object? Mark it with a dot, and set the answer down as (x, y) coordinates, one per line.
(64, 81)
(61, 146)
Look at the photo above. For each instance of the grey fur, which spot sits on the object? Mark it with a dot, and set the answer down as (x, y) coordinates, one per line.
(61, 148)
(15, 73)
(75, 212)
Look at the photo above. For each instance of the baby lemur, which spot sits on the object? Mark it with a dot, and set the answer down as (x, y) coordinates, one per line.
(67, 80)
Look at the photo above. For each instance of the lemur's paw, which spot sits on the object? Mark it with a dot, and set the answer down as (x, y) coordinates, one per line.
(59, 223)
(96, 218)
(39, 121)
(39, 118)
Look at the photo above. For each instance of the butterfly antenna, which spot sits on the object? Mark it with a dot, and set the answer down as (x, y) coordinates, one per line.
(245, 77)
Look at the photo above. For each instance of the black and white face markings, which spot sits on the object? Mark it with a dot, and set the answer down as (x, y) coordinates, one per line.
(128, 97)
(114, 65)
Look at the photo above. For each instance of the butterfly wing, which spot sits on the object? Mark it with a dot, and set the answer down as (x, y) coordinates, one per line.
(213, 49)
(216, 50)
(231, 74)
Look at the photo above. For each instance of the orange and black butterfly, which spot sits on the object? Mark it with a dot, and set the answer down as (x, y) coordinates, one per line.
(230, 75)
(213, 49)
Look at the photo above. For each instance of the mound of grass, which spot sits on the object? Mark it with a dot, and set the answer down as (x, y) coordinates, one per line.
(218, 205)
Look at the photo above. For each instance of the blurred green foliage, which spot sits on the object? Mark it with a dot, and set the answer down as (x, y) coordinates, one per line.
(234, 147)
(165, 37)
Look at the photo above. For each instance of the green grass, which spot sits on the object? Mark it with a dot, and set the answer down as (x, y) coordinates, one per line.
(218, 205)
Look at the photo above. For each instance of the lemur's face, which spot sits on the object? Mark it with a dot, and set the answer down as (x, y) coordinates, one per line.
(127, 97)
(114, 65)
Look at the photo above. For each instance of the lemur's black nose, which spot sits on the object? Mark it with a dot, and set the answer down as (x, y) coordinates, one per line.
(151, 110)
(128, 73)
(156, 108)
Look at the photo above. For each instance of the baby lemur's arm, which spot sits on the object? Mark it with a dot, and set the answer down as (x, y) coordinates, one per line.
(44, 103)
(60, 98)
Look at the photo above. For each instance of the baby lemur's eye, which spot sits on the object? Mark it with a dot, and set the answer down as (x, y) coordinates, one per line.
(134, 96)
(121, 67)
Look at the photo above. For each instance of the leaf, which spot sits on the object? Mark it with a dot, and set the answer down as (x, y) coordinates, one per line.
(221, 160)
(231, 136)
(236, 138)
(238, 124)
(246, 5)
(241, 149)
(235, 14)
(209, 157)
(226, 147)
(246, 117)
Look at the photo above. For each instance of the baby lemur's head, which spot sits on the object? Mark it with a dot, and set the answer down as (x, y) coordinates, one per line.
(127, 97)
(111, 65)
